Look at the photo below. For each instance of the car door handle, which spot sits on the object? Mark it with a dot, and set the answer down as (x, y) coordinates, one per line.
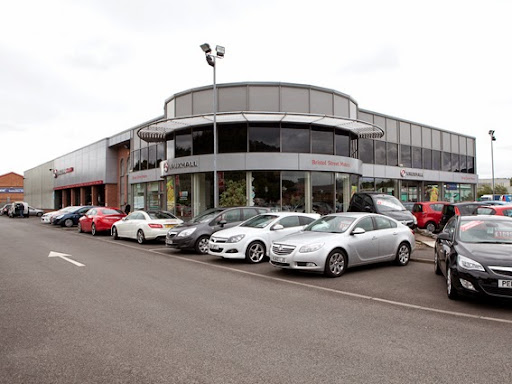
(374, 238)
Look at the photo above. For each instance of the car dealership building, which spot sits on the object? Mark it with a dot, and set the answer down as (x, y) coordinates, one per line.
(280, 145)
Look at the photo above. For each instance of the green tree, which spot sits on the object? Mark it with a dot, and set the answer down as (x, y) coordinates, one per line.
(486, 189)
(234, 195)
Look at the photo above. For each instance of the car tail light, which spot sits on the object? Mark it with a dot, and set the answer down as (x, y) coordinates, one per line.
(155, 226)
(457, 212)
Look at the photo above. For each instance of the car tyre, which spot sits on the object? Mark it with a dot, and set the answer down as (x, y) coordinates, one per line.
(403, 254)
(202, 245)
(93, 230)
(336, 263)
(431, 227)
(255, 252)
(115, 235)
(140, 236)
(451, 291)
(68, 223)
(437, 269)
(80, 227)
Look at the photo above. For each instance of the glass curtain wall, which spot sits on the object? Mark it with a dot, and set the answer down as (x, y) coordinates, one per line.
(293, 187)
(322, 187)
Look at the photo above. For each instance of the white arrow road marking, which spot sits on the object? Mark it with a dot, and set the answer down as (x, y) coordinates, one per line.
(65, 257)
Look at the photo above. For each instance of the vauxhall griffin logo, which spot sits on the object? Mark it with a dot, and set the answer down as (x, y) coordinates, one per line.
(402, 173)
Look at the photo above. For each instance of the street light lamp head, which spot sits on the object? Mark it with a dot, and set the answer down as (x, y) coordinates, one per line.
(491, 132)
(220, 50)
(206, 48)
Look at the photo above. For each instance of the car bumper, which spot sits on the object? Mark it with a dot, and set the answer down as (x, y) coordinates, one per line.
(227, 250)
(480, 284)
(311, 261)
(180, 242)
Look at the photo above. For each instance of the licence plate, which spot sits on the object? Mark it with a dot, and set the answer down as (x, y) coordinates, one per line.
(214, 247)
(169, 241)
(504, 283)
(279, 259)
(169, 225)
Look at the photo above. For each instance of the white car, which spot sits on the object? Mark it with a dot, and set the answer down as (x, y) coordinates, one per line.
(251, 240)
(144, 225)
(339, 241)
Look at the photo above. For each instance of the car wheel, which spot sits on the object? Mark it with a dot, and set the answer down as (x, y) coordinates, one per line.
(80, 228)
(336, 263)
(114, 233)
(93, 230)
(140, 236)
(431, 226)
(403, 254)
(437, 269)
(255, 252)
(68, 223)
(202, 245)
(450, 289)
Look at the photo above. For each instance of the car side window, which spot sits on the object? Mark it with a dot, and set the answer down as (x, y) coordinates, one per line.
(250, 212)
(417, 208)
(437, 207)
(384, 223)
(450, 226)
(366, 223)
(368, 202)
(231, 216)
(290, 221)
(305, 220)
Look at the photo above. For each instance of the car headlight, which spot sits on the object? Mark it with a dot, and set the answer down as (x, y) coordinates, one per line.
(60, 217)
(469, 264)
(311, 247)
(235, 239)
(186, 232)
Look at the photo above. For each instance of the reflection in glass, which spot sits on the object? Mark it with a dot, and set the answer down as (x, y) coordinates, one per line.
(202, 140)
(264, 138)
(295, 139)
(183, 142)
(232, 138)
(322, 184)
(322, 140)
(293, 187)
(266, 187)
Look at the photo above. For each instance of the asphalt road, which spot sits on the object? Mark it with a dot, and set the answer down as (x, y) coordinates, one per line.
(147, 314)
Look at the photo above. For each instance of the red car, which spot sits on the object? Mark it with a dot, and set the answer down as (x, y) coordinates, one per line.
(500, 210)
(428, 214)
(99, 219)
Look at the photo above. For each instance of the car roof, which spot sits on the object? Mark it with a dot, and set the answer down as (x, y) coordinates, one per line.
(291, 214)
(355, 214)
(484, 218)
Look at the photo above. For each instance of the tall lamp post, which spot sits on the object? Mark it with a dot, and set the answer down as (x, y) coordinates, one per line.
(493, 138)
(211, 60)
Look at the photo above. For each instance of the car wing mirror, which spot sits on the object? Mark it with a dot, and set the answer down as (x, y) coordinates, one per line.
(358, 231)
(444, 236)
(277, 227)
(222, 222)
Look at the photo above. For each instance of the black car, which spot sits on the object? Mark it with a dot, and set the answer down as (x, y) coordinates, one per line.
(387, 205)
(195, 234)
(71, 217)
(474, 253)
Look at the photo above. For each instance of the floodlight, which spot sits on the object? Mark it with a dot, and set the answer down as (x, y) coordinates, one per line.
(220, 50)
(206, 48)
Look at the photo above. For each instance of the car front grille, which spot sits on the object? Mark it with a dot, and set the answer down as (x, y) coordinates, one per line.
(218, 240)
(503, 271)
(282, 250)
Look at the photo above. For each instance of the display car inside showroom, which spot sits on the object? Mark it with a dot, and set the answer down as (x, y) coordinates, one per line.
(288, 147)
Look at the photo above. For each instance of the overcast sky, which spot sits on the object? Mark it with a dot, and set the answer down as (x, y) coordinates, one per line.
(75, 72)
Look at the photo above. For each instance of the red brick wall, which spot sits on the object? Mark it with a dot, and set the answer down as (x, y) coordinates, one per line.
(11, 180)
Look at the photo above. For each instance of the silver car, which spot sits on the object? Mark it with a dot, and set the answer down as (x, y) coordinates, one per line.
(339, 241)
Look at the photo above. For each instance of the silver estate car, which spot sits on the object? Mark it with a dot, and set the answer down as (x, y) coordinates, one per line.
(339, 241)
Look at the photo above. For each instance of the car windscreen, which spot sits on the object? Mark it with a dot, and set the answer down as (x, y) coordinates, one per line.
(480, 230)
(109, 211)
(388, 204)
(332, 224)
(161, 215)
(260, 221)
(206, 216)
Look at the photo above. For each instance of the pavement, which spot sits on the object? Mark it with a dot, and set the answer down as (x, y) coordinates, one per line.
(425, 241)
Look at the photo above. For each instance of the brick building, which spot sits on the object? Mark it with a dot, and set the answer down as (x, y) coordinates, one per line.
(11, 187)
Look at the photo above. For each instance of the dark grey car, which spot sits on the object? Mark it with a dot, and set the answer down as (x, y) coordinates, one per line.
(194, 234)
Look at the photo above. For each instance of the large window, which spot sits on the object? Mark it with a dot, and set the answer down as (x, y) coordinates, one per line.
(202, 140)
(366, 151)
(446, 164)
(471, 164)
(342, 143)
(366, 184)
(293, 187)
(266, 187)
(322, 184)
(264, 138)
(405, 156)
(152, 157)
(183, 195)
(380, 152)
(427, 158)
(322, 140)
(136, 160)
(295, 139)
(455, 163)
(232, 189)
(232, 138)
(416, 157)
(183, 142)
(392, 152)
(436, 160)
